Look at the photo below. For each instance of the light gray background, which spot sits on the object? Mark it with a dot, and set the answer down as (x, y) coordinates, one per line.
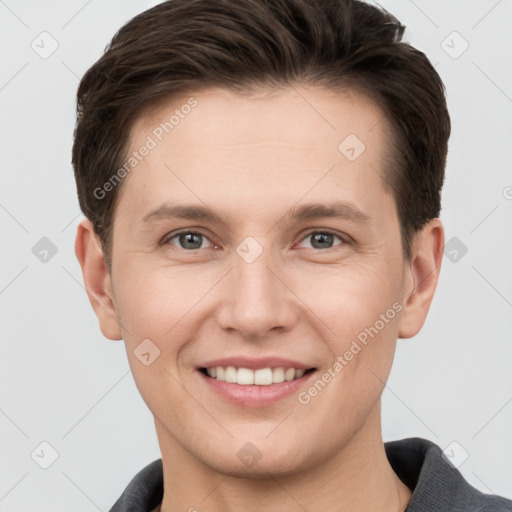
(63, 383)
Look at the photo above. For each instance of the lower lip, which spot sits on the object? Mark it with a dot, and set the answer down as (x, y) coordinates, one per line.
(253, 395)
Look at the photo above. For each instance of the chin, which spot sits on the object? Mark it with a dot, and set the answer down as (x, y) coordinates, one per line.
(261, 470)
(260, 459)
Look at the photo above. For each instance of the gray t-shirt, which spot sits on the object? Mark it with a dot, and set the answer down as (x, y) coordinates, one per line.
(437, 486)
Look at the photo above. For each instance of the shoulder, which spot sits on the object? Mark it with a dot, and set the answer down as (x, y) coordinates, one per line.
(144, 492)
(436, 484)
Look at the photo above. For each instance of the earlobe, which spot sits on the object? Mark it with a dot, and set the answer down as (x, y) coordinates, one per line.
(422, 277)
(97, 279)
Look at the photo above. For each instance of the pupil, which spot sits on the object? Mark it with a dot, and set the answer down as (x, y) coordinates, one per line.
(191, 238)
(322, 238)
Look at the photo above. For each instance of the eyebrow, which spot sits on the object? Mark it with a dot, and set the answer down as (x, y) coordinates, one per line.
(338, 210)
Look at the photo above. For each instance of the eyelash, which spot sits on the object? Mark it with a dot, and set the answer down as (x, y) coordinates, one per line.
(167, 238)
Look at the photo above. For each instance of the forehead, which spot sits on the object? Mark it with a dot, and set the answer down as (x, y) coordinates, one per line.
(298, 113)
(225, 146)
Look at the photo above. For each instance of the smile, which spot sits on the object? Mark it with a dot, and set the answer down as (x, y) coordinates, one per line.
(255, 382)
(258, 377)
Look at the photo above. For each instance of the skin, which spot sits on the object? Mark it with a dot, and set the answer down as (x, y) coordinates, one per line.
(251, 159)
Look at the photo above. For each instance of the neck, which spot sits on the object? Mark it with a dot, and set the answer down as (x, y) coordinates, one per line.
(356, 477)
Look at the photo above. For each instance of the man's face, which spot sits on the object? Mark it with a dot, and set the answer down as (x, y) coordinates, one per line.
(262, 289)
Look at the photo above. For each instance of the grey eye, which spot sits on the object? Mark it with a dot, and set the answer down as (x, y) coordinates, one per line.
(322, 239)
(188, 240)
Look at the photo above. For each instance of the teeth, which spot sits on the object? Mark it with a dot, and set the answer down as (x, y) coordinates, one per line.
(230, 374)
(244, 376)
(277, 375)
(260, 377)
(263, 377)
(289, 374)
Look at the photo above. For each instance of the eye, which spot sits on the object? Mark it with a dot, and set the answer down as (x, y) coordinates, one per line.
(323, 239)
(188, 240)
(193, 240)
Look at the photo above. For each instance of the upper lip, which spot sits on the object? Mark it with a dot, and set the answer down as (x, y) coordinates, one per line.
(255, 363)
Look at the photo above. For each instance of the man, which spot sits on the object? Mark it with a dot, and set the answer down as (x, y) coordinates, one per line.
(261, 181)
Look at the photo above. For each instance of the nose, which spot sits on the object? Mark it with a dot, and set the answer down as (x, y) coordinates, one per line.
(257, 299)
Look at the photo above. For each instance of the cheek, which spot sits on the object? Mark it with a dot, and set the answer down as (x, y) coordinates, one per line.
(153, 302)
(161, 311)
(349, 299)
(358, 313)
(155, 311)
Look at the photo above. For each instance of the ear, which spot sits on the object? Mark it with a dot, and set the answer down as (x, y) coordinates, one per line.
(97, 279)
(421, 277)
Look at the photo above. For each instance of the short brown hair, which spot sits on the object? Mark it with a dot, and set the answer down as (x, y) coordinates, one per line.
(184, 45)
